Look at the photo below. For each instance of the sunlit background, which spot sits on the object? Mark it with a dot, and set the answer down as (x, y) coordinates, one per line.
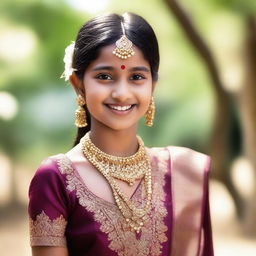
(209, 110)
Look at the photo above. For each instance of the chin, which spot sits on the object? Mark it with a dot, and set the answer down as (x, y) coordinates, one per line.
(119, 126)
(114, 124)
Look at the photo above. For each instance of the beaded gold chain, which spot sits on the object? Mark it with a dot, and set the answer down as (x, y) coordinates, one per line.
(127, 169)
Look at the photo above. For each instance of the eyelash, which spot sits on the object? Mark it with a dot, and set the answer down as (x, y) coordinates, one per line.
(100, 75)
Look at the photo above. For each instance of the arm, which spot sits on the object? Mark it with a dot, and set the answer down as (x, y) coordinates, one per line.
(48, 201)
(49, 250)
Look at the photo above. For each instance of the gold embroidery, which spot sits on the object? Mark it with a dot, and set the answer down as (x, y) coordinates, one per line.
(122, 240)
(46, 232)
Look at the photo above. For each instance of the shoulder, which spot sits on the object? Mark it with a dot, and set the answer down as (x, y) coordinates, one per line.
(175, 151)
(189, 159)
(48, 171)
(182, 157)
(160, 153)
(47, 190)
(48, 181)
(59, 165)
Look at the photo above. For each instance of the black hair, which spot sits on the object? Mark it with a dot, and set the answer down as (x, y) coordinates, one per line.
(105, 30)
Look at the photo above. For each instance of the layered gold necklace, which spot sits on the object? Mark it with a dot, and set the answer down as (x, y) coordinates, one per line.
(127, 169)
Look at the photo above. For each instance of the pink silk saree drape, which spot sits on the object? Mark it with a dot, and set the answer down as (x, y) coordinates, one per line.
(192, 234)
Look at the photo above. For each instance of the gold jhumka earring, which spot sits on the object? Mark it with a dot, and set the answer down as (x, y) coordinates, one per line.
(150, 113)
(123, 48)
(80, 113)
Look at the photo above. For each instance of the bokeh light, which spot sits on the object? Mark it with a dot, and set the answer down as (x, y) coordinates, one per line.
(89, 6)
(8, 106)
(16, 43)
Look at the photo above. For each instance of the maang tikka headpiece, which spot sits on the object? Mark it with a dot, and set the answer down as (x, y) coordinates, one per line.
(123, 48)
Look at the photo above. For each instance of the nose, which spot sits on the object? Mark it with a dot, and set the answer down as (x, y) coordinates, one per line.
(121, 91)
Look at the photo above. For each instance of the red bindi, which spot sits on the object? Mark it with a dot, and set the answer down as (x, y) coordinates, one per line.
(123, 67)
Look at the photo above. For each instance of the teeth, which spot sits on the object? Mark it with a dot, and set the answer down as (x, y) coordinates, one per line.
(121, 108)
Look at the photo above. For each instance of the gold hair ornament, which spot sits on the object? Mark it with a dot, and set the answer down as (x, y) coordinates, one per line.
(123, 48)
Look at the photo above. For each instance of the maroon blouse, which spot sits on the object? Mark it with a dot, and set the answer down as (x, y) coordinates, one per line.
(64, 212)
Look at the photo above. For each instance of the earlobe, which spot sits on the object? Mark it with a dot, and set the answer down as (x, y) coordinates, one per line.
(77, 84)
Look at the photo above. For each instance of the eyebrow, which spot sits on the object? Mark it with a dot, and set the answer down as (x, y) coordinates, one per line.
(139, 68)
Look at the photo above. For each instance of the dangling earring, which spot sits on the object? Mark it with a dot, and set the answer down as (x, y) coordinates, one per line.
(150, 113)
(80, 112)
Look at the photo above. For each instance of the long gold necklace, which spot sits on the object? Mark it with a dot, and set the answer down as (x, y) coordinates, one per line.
(127, 169)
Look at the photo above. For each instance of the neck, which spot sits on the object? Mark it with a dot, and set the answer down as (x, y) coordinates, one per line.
(116, 143)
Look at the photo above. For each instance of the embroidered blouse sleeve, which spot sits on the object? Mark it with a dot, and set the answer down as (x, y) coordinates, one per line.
(47, 206)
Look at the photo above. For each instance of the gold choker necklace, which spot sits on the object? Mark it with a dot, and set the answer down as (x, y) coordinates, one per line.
(127, 169)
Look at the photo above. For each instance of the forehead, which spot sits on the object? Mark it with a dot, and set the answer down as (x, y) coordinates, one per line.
(107, 57)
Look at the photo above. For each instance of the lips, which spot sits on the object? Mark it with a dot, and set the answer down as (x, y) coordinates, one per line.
(120, 108)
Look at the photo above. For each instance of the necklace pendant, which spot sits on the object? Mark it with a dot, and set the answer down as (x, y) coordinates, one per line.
(128, 169)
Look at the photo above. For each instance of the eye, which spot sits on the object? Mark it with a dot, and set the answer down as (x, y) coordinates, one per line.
(137, 77)
(103, 77)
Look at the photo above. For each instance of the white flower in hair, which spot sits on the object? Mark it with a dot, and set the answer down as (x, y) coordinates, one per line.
(68, 59)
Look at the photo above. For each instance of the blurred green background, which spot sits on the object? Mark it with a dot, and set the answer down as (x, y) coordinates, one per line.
(205, 100)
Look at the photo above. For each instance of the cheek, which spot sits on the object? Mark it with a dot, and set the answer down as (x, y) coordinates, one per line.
(93, 91)
(144, 101)
(147, 102)
(95, 98)
(94, 105)
(146, 94)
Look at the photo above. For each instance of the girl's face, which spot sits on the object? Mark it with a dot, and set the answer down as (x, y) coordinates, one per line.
(117, 91)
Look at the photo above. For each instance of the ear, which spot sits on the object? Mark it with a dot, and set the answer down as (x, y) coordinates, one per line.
(77, 84)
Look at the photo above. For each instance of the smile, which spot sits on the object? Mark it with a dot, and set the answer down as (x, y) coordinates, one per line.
(120, 109)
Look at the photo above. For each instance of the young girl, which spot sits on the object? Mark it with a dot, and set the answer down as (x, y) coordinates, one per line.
(111, 195)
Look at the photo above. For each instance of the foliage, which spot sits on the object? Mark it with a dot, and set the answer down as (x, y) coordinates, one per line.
(242, 7)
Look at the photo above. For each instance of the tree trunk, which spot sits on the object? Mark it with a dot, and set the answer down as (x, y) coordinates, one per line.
(220, 139)
(248, 119)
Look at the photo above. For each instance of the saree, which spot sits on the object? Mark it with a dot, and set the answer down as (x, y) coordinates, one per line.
(64, 212)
